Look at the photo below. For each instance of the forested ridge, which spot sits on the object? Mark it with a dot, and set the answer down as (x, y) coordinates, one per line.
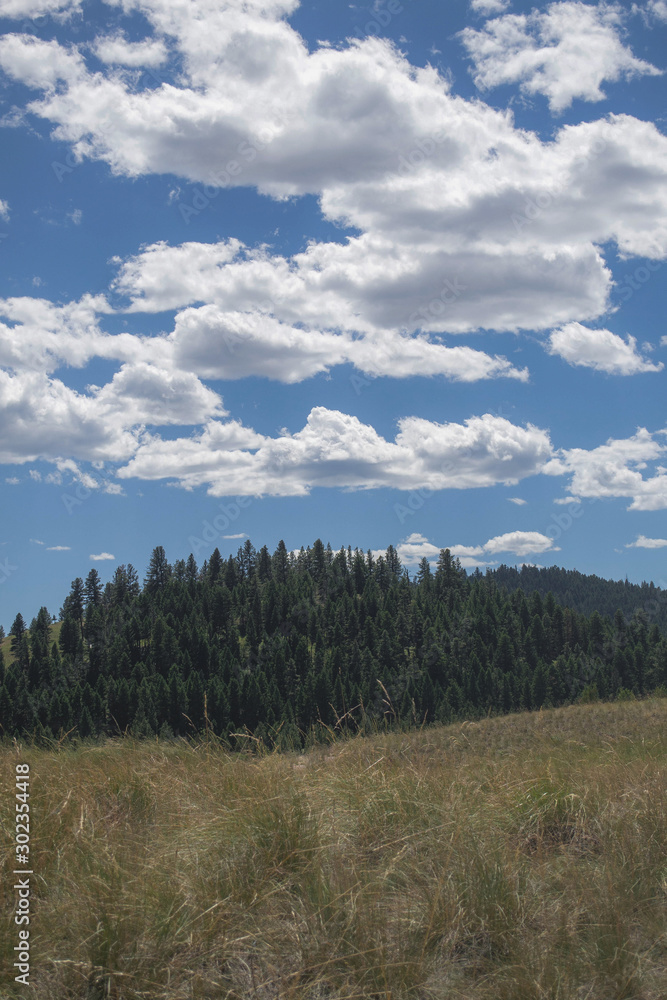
(289, 646)
(586, 593)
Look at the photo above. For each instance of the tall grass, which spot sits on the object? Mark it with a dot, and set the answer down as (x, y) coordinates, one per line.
(519, 858)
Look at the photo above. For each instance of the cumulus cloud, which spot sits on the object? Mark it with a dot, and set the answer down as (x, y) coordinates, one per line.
(41, 417)
(599, 349)
(41, 336)
(489, 7)
(102, 556)
(235, 336)
(40, 64)
(566, 51)
(519, 501)
(337, 450)
(643, 542)
(417, 547)
(658, 8)
(463, 221)
(38, 8)
(144, 394)
(59, 548)
(616, 469)
(4, 210)
(117, 50)
(521, 543)
(459, 221)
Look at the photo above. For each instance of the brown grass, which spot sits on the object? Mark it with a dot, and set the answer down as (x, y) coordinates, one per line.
(521, 858)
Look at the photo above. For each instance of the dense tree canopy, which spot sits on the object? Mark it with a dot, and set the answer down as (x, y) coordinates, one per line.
(292, 644)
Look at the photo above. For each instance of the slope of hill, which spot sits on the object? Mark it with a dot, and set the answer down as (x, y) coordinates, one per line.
(518, 858)
(585, 593)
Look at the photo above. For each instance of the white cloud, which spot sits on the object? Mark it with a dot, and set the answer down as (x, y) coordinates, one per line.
(41, 417)
(615, 470)
(489, 7)
(519, 501)
(335, 449)
(232, 341)
(241, 534)
(521, 543)
(59, 548)
(102, 556)
(38, 8)
(462, 222)
(116, 49)
(36, 541)
(563, 501)
(4, 210)
(144, 394)
(417, 547)
(12, 480)
(647, 543)
(441, 189)
(599, 349)
(41, 336)
(40, 64)
(565, 52)
(658, 8)
(76, 216)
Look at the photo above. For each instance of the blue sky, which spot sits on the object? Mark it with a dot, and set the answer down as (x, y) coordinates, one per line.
(378, 274)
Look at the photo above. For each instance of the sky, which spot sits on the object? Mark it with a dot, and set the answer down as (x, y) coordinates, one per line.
(380, 274)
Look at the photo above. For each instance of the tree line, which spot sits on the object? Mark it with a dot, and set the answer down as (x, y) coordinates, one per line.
(291, 646)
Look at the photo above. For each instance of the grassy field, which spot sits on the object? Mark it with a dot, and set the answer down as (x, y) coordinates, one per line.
(520, 858)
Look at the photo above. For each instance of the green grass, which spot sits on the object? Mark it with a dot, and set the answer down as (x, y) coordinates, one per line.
(518, 858)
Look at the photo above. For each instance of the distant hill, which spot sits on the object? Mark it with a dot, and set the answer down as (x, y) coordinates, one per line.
(586, 594)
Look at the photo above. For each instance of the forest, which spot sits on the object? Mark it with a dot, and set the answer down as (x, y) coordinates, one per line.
(288, 648)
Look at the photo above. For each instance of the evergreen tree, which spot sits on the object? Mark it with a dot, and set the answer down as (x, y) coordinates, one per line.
(19, 644)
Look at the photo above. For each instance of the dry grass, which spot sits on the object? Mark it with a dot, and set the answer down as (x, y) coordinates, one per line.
(521, 858)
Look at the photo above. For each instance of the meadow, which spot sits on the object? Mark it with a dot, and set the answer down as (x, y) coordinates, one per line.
(514, 858)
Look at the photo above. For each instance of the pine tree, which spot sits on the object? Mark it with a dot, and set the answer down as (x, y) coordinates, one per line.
(159, 572)
(19, 644)
(93, 589)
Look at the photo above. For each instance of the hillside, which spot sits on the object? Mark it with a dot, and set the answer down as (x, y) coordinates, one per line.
(290, 647)
(517, 858)
(586, 593)
(6, 643)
